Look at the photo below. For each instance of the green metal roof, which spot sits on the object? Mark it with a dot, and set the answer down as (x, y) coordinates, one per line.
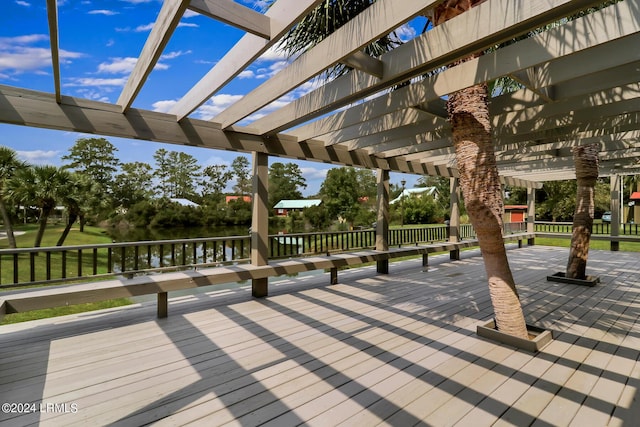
(297, 204)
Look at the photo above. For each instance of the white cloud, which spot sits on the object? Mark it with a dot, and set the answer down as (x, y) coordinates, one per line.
(190, 14)
(143, 28)
(91, 81)
(247, 74)
(19, 55)
(23, 3)
(103, 12)
(38, 156)
(215, 105)
(126, 65)
(273, 54)
(10, 42)
(91, 93)
(405, 32)
(187, 24)
(163, 106)
(118, 65)
(175, 54)
(216, 160)
(314, 173)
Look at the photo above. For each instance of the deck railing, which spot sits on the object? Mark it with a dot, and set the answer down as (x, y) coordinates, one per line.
(598, 228)
(33, 266)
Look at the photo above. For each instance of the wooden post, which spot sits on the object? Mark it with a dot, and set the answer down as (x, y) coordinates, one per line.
(531, 214)
(260, 221)
(382, 224)
(454, 217)
(615, 210)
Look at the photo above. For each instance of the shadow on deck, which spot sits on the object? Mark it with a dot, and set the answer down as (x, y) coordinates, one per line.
(398, 349)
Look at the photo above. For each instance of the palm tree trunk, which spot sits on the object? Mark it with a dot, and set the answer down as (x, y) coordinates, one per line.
(42, 222)
(8, 225)
(470, 125)
(72, 218)
(469, 116)
(586, 163)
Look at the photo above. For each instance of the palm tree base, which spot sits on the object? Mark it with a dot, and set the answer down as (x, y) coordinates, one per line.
(560, 278)
(538, 338)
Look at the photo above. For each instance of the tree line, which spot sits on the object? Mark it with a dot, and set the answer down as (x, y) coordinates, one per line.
(95, 186)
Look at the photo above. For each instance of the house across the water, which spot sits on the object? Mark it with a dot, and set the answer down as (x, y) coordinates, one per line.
(285, 207)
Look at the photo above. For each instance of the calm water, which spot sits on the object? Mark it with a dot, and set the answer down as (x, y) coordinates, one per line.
(140, 234)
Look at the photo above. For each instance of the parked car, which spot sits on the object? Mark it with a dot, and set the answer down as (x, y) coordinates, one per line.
(606, 217)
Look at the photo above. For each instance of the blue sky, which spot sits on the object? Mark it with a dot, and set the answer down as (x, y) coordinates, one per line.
(99, 41)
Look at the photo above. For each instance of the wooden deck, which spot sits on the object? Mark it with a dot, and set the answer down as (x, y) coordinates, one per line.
(394, 350)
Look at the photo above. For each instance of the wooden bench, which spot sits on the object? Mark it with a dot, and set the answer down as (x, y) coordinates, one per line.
(59, 296)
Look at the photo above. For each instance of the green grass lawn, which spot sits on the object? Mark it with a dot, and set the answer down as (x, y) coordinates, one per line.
(91, 235)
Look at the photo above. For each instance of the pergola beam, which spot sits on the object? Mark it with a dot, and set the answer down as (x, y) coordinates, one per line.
(374, 22)
(539, 49)
(283, 14)
(170, 14)
(52, 15)
(234, 14)
(363, 62)
(470, 32)
(38, 109)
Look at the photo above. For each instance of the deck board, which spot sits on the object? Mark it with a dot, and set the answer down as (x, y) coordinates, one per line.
(397, 349)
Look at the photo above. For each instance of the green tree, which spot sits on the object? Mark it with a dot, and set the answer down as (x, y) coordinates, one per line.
(214, 180)
(133, 184)
(240, 168)
(558, 200)
(39, 186)
(73, 194)
(9, 164)
(420, 210)
(162, 172)
(94, 157)
(317, 217)
(340, 192)
(443, 188)
(184, 172)
(285, 181)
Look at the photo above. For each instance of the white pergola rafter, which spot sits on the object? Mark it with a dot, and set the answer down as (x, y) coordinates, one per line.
(52, 14)
(283, 14)
(170, 14)
(374, 22)
(470, 32)
(234, 14)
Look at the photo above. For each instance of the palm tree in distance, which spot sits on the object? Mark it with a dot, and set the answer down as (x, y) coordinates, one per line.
(38, 186)
(9, 164)
(469, 116)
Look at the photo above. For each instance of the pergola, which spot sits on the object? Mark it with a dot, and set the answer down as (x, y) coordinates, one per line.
(580, 85)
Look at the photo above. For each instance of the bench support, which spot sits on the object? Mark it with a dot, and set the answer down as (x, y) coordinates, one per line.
(163, 304)
(425, 262)
(334, 276)
(382, 266)
(454, 255)
(259, 287)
